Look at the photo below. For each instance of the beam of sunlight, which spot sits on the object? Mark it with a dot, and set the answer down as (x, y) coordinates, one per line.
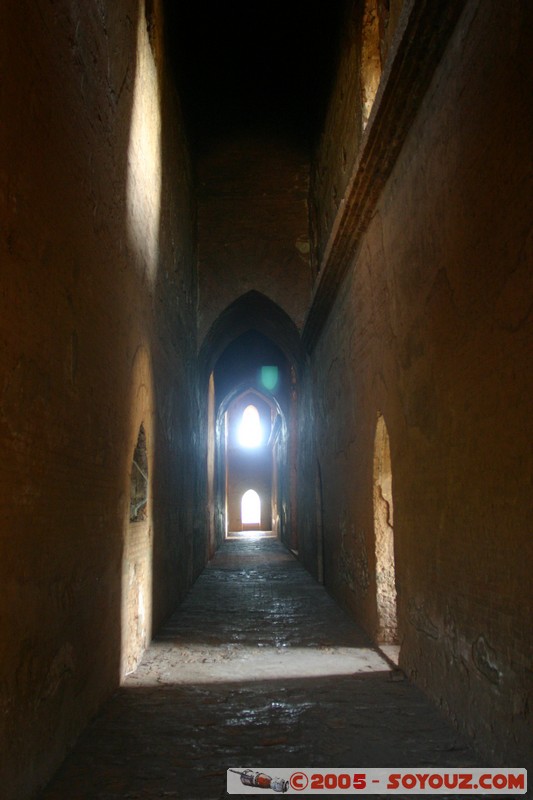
(177, 663)
(144, 182)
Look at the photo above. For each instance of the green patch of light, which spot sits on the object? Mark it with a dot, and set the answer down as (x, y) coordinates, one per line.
(269, 378)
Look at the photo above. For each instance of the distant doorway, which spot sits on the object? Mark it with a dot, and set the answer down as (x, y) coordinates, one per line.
(249, 463)
(250, 509)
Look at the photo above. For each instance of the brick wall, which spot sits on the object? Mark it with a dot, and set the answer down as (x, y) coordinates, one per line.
(98, 288)
(432, 329)
(253, 225)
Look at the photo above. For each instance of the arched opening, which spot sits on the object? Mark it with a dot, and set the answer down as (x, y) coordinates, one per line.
(384, 537)
(137, 558)
(139, 479)
(250, 430)
(248, 460)
(250, 508)
(252, 348)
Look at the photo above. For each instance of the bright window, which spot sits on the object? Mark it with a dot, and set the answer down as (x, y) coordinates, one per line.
(250, 431)
(250, 508)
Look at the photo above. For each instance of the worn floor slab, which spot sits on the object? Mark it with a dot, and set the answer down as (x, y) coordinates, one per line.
(259, 667)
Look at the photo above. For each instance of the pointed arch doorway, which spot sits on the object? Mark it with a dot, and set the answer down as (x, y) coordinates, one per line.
(253, 345)
(252, 425)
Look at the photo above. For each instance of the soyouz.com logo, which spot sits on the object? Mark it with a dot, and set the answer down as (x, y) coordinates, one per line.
(412, 780)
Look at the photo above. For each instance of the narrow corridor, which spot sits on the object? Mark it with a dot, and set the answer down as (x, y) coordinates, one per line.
(258, 668)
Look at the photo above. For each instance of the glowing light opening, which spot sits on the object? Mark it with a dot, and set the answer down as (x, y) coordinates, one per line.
(250, 430)
(250, 508)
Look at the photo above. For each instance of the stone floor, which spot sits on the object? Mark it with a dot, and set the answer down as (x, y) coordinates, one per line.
(258, 668)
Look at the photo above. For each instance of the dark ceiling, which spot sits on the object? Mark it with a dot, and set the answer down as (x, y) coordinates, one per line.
(243, 66)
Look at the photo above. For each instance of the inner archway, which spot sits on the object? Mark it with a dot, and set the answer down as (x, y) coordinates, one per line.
(249, 463)
(257, 369)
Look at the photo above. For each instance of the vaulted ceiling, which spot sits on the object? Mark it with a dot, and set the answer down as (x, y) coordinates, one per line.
(242, 65)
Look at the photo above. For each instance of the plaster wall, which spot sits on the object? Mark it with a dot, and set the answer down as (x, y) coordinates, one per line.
(253, 225)
(335, 155)
(367, 34)
(98, 289)
(432, 329)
